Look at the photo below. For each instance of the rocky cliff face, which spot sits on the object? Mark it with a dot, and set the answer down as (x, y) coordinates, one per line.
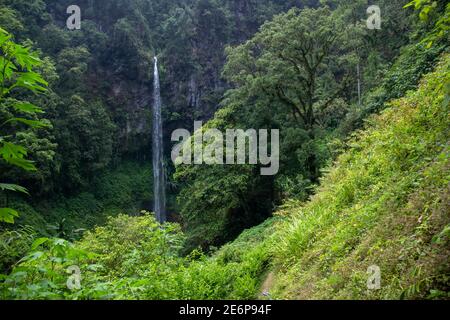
(192, 83)
(189, 36)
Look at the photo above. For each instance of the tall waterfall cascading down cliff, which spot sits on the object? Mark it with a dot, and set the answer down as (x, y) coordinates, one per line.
(159, 183)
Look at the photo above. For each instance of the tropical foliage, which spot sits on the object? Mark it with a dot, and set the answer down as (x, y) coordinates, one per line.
(363, 176)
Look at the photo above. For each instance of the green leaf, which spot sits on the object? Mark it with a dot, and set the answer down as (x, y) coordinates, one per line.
(22, 163)
(7, 215)
(31, 81)
(410, 4)
(34, 256)
(445, 233)
(27, 107)
(14, 155)
(28, 122)
(13, 187)
(38, 242)
(7, 67)
(11, 150)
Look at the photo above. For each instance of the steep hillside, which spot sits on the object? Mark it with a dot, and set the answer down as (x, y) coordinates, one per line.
(385, 203)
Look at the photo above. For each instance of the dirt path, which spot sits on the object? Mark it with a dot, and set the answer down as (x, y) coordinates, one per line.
(267, 286)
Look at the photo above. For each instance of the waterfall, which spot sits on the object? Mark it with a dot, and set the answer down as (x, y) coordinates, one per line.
(159, 184)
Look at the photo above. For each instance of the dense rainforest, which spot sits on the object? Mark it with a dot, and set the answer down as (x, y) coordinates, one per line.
(360, 99)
